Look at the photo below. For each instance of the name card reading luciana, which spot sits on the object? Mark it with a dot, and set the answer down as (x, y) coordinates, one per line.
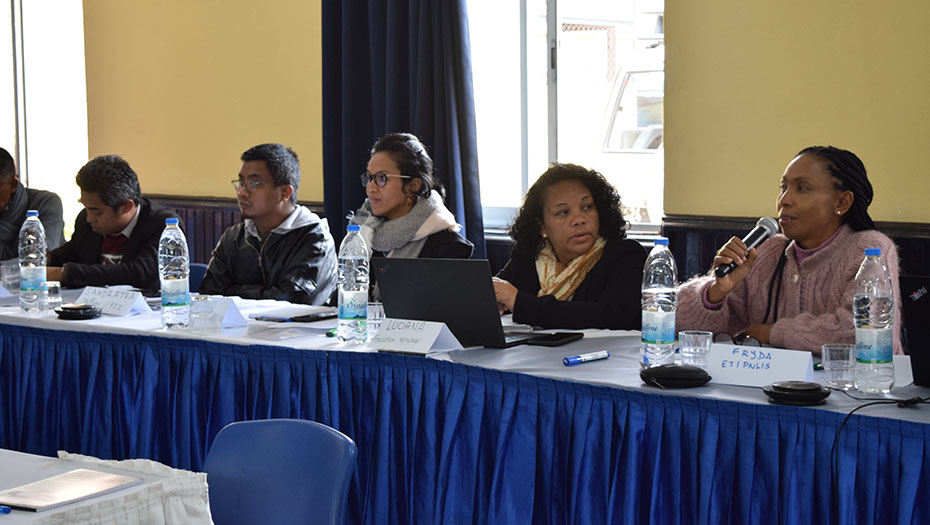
(754, 366)
(413, 337)
(114, 301)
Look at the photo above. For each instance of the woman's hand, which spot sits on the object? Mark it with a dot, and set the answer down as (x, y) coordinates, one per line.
(505, 293)
(761, 332)
(733, 251)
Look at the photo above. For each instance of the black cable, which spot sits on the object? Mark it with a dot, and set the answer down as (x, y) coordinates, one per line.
(835, 451)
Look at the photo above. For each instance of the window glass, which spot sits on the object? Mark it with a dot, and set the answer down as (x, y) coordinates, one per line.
(609, 78)
(7, 82)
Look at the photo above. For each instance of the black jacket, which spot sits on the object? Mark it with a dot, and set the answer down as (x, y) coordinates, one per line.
(296, 262)
(609, 296)
(80, 256)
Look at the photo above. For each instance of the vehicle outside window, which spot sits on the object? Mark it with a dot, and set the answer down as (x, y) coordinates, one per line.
(579, 82)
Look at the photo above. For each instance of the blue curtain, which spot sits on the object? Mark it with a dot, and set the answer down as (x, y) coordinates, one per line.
(399, 65)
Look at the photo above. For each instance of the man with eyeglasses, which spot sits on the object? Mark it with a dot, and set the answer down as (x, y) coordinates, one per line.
(116, 235)
(281, 250)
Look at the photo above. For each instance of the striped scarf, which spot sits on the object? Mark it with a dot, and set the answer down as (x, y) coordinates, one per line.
(560, 280)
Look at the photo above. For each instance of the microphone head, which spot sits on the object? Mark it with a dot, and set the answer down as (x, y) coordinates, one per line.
(769, 224)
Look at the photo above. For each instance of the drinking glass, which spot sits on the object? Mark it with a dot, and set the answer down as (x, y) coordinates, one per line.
(9, 273)
(694, 347)
(375, 316)
(202, 317)
(838, 360)
(49, 296)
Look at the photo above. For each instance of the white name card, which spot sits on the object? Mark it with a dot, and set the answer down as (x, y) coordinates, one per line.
(413, 337)
(113, 301)
(754, 366)
(226, 310)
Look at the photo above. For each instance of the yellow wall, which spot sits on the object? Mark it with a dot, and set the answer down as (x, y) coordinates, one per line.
(749, 83)
(181, 88)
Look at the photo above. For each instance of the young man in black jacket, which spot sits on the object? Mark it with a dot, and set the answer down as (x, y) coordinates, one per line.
(281, 250)
(116, 235)
(15, 200)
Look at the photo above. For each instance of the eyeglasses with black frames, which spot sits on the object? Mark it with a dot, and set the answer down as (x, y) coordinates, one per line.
(741, 339)
(248, 185)
(380, 178)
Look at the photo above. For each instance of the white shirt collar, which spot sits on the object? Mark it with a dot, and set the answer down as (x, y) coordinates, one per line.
(127, 231)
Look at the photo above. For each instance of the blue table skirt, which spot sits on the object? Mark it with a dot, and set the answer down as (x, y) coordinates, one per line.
(443, 442)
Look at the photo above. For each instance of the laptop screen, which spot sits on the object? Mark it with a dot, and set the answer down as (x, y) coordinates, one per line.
(915, 303)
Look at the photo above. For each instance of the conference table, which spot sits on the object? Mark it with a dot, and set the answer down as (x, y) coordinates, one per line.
(475, 435)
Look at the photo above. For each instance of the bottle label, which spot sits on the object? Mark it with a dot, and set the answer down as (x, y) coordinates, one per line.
(175, 292)
(31, 278)
(658, 327)
(874, 345)
(353, 305)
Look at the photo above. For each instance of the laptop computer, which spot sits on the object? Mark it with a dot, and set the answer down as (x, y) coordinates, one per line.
(457, 292)
(915, 303)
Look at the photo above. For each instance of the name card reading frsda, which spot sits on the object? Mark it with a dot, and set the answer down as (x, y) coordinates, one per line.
(413, 337)
(755, 366)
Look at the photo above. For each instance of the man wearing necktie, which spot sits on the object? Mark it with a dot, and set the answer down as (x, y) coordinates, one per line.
(116, 236)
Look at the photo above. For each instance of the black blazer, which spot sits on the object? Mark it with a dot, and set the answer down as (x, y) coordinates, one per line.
(609, 296)
(139, 268)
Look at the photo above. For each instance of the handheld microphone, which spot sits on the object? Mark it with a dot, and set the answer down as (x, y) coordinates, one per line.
(765, 228)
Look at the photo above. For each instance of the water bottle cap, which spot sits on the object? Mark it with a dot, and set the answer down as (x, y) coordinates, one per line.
(661, 241)
(32, 213)
(873, 251)
(353, 228)
(171, 221)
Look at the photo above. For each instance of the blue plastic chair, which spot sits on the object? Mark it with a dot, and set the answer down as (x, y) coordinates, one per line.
(279, 471)
(196, 276)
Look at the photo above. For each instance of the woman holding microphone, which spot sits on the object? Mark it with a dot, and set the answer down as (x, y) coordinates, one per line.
(795, 290)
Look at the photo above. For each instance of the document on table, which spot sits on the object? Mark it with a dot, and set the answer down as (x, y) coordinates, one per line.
(64, 488)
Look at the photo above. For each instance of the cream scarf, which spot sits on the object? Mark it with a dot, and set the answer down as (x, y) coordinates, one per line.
(560, 280)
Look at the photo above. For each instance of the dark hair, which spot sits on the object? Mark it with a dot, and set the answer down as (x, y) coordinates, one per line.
(525, 228)
(282, 164)
(850, 175)
(412, 160)
(7, 168)
(111, 178)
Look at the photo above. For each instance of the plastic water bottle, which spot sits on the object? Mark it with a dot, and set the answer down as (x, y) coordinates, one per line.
(353, 287)
(32, 249)
(873, 315)
(660, 299)
(173, 272)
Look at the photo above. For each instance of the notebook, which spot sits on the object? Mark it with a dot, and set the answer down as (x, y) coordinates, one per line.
(915, 303)
(457, 292)
(74, 485)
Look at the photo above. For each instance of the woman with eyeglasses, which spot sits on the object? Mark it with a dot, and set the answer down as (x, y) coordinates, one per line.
(571, 265)
(404, 215)
(796, 289)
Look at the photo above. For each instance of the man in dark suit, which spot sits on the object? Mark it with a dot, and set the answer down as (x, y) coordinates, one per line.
(116, 236)
(15, 200)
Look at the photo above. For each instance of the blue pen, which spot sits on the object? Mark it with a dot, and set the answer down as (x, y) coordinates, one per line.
(5, 510)
(593, 356)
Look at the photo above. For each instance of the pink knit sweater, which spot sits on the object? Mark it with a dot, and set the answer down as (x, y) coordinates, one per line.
(815, 306)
